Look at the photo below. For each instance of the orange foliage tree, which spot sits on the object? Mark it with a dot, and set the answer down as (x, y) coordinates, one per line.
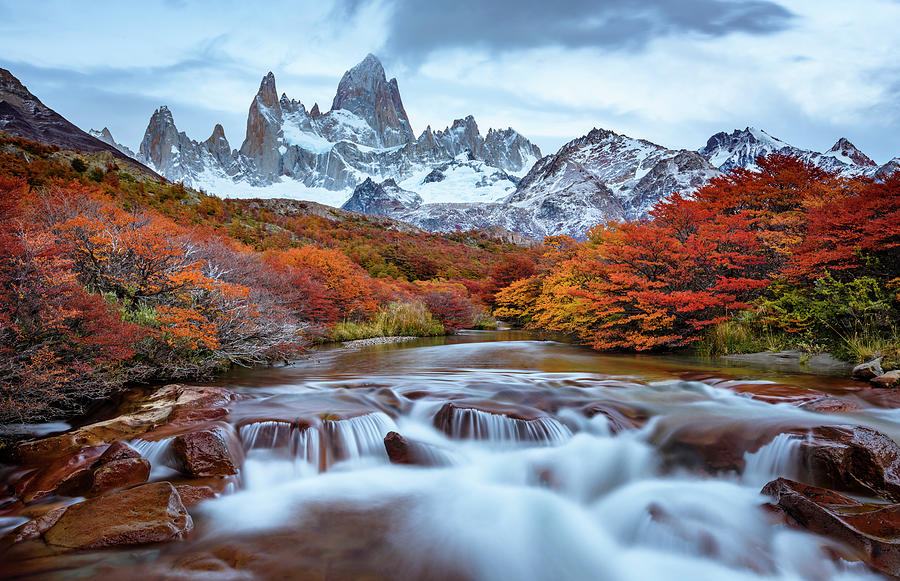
(663, 282)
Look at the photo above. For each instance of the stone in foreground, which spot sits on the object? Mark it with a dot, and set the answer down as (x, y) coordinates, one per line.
(871, 531)
(152, 513)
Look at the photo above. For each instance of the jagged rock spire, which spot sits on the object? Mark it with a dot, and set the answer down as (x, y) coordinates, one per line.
(263, 129)
(365, 91)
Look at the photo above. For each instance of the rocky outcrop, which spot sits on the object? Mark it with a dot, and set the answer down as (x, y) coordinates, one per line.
(845, 151)
(105, 135)
(508, 149)
(264, 130)
(384, 199)
(867, 370)
(24, 115)
(365, 91)
(152, 513)
(870, 531)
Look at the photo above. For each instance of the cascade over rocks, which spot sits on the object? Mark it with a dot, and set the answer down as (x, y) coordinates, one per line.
(498, 423)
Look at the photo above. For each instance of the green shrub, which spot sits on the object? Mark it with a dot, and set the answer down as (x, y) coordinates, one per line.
(96, 174)
(78, 165)
(484, 322)
(393, 320)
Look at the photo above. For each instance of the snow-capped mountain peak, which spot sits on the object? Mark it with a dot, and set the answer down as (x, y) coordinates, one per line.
(740, 148)
(105, 135)
(324, 155)
(849, 154)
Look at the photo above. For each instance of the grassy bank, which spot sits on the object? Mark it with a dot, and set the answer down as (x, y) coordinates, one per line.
(855, 346)
(395, 319)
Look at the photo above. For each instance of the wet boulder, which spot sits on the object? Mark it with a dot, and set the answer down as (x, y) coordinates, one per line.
(852, 459)
(870, 531)
(152, 513)
(886, 380)
(715, 445)
(69, 475)
(87, 473)
(34, 528)
(830, 405)
(120, 473)
(213, 451)
(868, 370)
(194, 495)
(401, 450)
(118, 450)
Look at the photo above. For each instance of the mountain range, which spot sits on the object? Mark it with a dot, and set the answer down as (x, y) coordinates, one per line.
(362, 154)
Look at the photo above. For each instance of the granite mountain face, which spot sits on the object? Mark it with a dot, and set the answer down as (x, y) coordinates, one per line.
(366, 133)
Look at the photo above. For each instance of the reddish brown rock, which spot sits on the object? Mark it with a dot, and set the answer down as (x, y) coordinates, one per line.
(186, 405)
(194, 495)
(33, 529)
(716, 445)
(619, 419)
(886, 380)
(69, 475)
(852, 459)
(872, 531)
(119, 474)
(401, 450)
(118, 450)
(152, 513)
(830, 405)
(208, 452)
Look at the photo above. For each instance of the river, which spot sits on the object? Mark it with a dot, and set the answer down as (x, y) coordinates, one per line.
(552, 463)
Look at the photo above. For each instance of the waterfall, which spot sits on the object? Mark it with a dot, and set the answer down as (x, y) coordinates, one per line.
(780, 457)
(268, 434)
(358, 437)
(158, 453)
(466, 423)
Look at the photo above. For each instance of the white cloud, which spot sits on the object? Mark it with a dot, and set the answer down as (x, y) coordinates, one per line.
(832, 72)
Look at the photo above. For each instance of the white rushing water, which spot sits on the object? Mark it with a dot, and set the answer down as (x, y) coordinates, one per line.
(561, 496)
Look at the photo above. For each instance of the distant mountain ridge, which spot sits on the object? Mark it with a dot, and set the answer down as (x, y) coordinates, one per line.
(364, 155)
(23, 115)
(366, 133)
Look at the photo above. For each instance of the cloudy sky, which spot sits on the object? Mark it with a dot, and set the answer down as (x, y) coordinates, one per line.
(671, 71)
